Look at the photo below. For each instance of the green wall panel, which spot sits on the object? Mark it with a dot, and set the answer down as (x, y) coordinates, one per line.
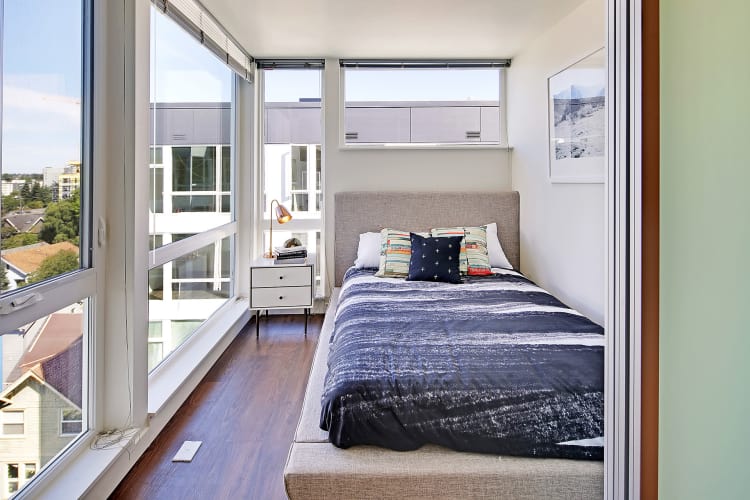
(704, 423)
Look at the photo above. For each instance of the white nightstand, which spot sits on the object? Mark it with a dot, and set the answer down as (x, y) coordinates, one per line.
(280, 286)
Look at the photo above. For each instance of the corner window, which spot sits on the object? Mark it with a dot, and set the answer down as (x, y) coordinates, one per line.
(422, 103)
(292, 159)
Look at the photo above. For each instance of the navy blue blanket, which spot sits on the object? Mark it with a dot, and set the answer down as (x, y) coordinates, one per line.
(493, 365)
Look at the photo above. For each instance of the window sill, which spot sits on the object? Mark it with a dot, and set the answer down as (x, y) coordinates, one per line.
(84, 472)
(68, 473)
(171, 374)
(414, 146)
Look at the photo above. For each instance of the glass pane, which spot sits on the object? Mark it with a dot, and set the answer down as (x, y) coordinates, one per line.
(194, 203)
(30, 471)
(292, 135)
(157, 156)
(156, 195)
(226, 168)
(197, 284)
(195, 265)
(43, 370)
(441, 106)
(40, 147)
(191, 109)
(194, 168)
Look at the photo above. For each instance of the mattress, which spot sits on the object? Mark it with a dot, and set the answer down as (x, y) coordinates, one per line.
(493, 365)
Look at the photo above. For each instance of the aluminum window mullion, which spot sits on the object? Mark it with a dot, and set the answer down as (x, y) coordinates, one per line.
(167, 253)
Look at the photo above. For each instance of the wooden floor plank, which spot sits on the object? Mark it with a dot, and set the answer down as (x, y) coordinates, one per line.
(245, 411)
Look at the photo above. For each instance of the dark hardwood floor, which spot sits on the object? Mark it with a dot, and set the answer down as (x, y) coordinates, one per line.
(245, 411)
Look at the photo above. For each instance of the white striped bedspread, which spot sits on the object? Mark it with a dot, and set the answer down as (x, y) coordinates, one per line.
(493, 365)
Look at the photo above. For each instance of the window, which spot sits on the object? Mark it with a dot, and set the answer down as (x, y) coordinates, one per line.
(422, 103)
(191, 221)
(48, 276)
(13, 423)
(16, 475)
(71, 422)
(41, 168)
(292, 159)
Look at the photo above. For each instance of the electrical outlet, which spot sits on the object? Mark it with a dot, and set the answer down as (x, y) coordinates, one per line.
(187, 451)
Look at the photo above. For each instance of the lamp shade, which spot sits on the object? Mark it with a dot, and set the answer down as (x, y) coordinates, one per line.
(282, 214)
(282, 217)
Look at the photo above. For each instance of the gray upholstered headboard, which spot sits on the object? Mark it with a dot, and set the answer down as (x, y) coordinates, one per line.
(360, 212)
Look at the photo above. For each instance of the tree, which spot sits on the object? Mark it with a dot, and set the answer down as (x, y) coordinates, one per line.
(19, 240)
(25, 192)
(54, 265)
(4, 281)
(9, 203)
(62, 220)
(39, 196)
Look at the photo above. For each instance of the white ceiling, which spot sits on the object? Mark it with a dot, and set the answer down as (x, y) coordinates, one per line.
(387, 28)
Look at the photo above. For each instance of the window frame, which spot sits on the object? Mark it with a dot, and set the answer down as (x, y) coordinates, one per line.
(502, 144)
(298, 224)
(38, 300)
(169, 252)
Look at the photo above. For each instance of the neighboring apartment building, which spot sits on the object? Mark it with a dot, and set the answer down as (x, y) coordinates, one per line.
(11, 186)
(69, 180)
(190, 186)
(50, 175)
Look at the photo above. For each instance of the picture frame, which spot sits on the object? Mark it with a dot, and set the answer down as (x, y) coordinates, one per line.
(577, 111)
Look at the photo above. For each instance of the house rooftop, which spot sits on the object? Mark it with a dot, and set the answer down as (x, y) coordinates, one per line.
(27, 259)
(24, 221)
(60, 331)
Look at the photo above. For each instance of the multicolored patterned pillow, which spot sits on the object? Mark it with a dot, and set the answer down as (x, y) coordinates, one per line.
(395, 253)
(473, 257)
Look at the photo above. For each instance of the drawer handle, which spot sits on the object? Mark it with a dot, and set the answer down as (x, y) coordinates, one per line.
(281, 297)
(281, 277)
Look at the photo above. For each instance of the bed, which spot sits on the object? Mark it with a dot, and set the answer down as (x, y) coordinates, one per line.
(317, 469)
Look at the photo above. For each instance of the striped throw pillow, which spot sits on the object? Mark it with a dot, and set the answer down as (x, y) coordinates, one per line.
(474, 258)
(395, 253)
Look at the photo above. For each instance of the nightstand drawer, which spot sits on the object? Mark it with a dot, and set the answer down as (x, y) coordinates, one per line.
(281, 296)
(264, 277)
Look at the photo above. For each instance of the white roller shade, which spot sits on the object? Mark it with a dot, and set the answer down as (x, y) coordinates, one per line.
(196, 20)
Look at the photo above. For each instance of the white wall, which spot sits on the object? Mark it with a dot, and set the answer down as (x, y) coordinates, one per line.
(398, 169)
(562, 225)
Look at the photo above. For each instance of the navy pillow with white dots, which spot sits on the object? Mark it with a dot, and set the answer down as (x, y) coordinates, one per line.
(435, 259)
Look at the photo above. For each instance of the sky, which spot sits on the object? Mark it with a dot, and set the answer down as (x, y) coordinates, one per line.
(41, 81)
(41, 84)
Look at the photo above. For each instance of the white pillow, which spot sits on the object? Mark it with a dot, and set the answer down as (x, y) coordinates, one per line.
(494, 250)
(368, 252)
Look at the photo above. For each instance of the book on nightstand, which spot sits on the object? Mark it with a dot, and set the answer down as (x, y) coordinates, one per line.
(292, 255)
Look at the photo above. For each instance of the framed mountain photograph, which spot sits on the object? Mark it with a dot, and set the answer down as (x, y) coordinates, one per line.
(577, 121)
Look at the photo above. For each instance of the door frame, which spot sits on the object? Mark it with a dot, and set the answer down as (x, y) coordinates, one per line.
(632, 325)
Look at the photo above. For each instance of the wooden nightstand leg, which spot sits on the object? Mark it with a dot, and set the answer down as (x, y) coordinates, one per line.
(307, 313)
